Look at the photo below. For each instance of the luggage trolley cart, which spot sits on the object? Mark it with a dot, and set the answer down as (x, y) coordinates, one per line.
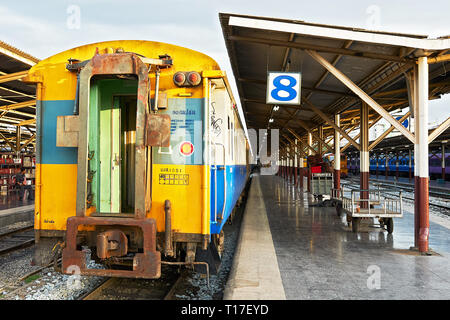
(385, 207)
(321, 184)
(346, 189)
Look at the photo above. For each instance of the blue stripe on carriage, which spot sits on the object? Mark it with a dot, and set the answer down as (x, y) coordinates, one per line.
(51, 154)
(236, 178)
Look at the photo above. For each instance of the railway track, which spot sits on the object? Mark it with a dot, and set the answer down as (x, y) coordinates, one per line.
(136, 289)
(16, 239)
(408, 188)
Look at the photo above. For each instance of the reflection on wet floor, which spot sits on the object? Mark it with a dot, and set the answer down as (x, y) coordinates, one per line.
(321, 258)
(12, 201)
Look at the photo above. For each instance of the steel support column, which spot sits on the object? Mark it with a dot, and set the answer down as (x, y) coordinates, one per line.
(287, 164)
(18, 138)
(291, 166)
(409, 165)
(320, 143)
(302, 173)
(364, 153)
(443, 161)
(337, 153)
(309, 153)
(295, 163)
(421, 210)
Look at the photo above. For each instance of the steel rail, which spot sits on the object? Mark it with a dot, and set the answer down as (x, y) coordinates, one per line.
(18, 230)
(10, 241)
(411, 189)
(97, 292)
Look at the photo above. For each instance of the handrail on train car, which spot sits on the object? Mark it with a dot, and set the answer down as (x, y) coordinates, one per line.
(224, 181)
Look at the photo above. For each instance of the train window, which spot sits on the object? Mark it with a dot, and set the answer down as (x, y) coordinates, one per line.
(232, 141)
(229, 137)
(435, 162)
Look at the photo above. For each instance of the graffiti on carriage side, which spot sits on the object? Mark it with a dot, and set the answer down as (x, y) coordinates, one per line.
(215, 122)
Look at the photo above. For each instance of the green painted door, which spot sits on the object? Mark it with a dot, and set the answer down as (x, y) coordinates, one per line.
(110, 158)
(112, 129)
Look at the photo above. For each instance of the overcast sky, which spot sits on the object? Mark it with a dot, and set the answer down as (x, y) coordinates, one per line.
(47, 27)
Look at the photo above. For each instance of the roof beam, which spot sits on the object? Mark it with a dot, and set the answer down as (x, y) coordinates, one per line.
(359, 134)
(19, 105)
(27, 142)
(26, 122)
(364, 96)
(307, 128)
(13, 147)
(438, 59)
(330, 92)
(299, 151)
(340, 51)
(13, 76)
(334, 32)
(340, 105)
(441, 128)
(325, 74)
(380, 138)
(17, 54)
(331, 123)
(300, 139)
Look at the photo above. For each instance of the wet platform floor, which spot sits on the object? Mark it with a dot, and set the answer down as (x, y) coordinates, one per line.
(319, 257)
(12, 201)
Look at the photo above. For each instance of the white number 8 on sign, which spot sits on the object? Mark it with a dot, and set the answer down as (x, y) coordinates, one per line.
(283, 88)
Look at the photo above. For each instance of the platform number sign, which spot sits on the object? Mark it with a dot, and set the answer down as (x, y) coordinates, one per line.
(405, 123)
(283, 88)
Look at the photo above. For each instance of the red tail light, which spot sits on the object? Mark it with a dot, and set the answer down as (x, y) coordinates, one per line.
(194, 78)
(179, 78)
(187, 79)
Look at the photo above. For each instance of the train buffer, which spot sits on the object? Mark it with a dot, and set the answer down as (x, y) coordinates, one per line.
(384, 204)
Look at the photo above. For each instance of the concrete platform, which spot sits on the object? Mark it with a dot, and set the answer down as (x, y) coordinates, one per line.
(12, 210)
(255, 274)
(318, 256)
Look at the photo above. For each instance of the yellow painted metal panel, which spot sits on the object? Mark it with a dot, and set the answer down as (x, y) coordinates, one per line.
(57, 195)
(60, 84)
(181, 184)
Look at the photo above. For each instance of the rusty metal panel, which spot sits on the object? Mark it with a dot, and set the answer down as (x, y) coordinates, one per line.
(116, 64)
(162, 100)
(157, 133)
(146, 265)
(112, 243)
(67, 128)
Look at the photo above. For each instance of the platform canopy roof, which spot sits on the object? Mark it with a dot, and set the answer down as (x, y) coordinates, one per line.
(379, 63)
(17, 99)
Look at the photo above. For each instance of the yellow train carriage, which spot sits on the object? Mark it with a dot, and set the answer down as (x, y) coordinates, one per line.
(344, 168)
(120, 154)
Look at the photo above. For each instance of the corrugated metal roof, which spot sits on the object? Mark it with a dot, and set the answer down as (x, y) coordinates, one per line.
(17, 99)
(257, 45)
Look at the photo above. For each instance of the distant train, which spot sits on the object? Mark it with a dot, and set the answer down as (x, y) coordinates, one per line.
(344, 164)
(435, 168)
(141, 157)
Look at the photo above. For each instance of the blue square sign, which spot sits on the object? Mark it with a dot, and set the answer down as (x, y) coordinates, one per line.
(283, 87)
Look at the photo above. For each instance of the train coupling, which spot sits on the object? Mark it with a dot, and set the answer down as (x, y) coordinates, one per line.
(113, 243)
